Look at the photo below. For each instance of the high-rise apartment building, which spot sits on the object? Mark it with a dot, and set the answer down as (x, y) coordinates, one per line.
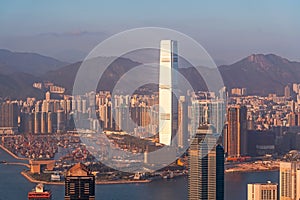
(61, 121)
(182, 137)
(289, 177)
(9, 112)
(235, 140)
(262, 191)
(37, 122)
(287, 91)
(168, 104)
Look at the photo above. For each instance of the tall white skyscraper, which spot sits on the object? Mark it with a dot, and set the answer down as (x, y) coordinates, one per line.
(168, 104)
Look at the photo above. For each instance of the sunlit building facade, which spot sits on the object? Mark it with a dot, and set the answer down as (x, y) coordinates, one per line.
(168, 104)
(289, 177)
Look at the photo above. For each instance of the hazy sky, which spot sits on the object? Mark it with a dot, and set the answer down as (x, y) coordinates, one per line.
(229, 30)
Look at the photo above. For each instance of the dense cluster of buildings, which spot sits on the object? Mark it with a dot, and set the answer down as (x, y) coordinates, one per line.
(202, 121)
(289, 182)
(259, 125)
(137, 114)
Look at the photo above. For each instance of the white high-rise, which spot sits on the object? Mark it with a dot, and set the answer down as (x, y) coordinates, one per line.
(168, 104)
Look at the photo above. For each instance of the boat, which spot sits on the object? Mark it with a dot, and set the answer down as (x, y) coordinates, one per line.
(39, 193)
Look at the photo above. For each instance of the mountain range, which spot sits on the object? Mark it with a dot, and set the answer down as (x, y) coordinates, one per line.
(19, 70)
(260, 74)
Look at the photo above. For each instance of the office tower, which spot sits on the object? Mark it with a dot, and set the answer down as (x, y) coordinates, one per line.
(198, 170)
(84, 105)
(68, 106)
(79, 105)
(39, 193)
(79, 183)
(167, 86)
(154, 120)
(289, 177)
(106, 116)
(262, 191)
(51, 106)
(44, 121)
(49, 122)
(292, 119)
(182, 122)
(220, 172)
(206, 166)
(9, 112)
(118, 118)
(37, 122)
(122, 118)
(27, 122)
(91, 99)
(30, 123)
(73, 104)
(236, 137)
(287, 91)
(60, 121)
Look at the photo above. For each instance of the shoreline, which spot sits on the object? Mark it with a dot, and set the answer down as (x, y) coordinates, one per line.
(257, 166)
(32, 180)
(230, 171)
(122, 182)
(12, 154)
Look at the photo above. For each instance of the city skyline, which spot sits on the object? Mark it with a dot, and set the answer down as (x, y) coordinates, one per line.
(166, 100)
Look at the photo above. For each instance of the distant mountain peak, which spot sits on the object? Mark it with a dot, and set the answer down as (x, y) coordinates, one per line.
(266, 59)
(259, 59)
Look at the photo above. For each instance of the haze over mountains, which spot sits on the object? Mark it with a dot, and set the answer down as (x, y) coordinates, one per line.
(18, 71)
(260, 74)
(31, 63)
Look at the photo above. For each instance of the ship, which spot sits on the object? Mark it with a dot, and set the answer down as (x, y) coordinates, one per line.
(39, 193)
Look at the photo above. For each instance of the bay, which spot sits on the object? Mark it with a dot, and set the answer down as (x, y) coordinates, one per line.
(13, 186)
